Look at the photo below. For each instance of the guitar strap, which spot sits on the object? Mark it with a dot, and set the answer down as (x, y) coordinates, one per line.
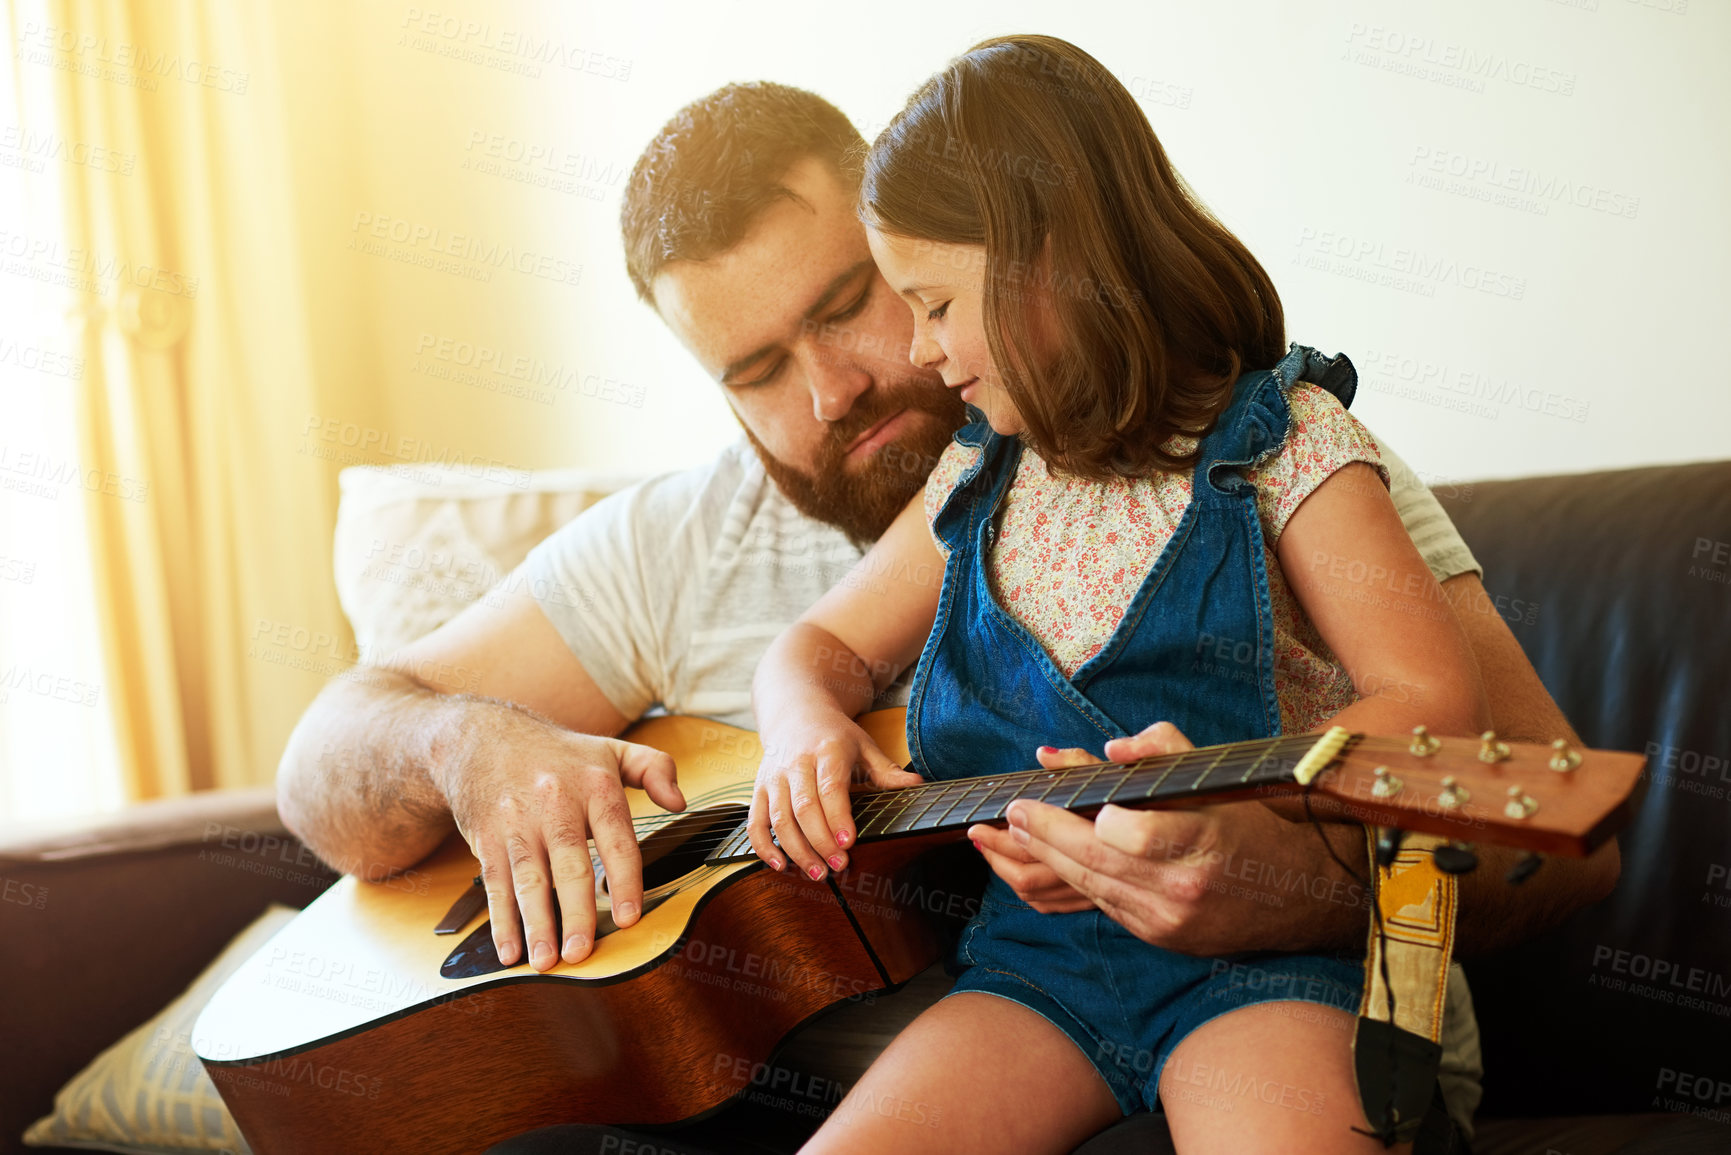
(1398, 1044)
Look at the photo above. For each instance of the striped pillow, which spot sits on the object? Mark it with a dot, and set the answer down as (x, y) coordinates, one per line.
(149, 1092)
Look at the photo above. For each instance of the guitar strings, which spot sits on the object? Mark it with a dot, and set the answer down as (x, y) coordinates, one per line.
(1226, 757)
(956, 791)
(1140, 765)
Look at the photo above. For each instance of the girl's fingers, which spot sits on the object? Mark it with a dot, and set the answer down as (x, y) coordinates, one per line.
(1052, 758)
(758, 829)
(883, 771)
(804, 797)
(787, 829)
(834, 775)
(1160, 738)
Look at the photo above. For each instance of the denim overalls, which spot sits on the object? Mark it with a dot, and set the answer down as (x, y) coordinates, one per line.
(985, 694)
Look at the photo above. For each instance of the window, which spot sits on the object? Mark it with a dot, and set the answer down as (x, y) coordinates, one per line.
(57, 749)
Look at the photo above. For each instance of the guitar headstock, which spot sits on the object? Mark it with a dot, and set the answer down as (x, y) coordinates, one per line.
(1554, 799)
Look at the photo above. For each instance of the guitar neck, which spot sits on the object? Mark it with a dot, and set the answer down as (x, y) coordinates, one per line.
(955, 804)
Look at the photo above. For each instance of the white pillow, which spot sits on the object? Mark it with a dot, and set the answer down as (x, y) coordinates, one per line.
(148, 1092)
(415, 544)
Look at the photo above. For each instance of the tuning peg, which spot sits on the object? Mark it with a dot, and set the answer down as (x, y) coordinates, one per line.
(1388, 840)
(1520, 804)
(1525, 868)
(1386, 784)
(1455, 858)
(1453, 795)
(1422, 744)
(1564, 759)
(1491, 750)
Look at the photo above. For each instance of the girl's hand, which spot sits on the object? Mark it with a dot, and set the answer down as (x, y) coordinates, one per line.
(802, 791)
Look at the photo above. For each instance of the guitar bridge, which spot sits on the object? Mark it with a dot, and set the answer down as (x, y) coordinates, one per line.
(470, 903)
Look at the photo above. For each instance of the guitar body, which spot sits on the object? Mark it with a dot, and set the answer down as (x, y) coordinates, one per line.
(357, 1028)
(341, 1035)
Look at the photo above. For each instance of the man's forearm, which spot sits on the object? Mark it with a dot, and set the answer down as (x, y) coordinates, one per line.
(1321, 906)
(356, 782)
(1494, 914)
(1279, 883)
(1319, 903)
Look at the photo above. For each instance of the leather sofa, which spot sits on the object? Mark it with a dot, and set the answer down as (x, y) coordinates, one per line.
(1622, 582)
(123, 914)
(1618, 586)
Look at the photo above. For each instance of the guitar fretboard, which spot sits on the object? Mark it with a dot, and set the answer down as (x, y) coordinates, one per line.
(961, 802)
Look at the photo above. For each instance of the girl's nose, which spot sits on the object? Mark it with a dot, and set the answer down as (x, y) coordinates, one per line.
(925, 352)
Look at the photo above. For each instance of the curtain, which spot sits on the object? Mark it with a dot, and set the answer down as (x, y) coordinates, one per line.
(210, 532)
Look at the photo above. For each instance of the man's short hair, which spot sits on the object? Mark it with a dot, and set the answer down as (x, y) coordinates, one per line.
(714, 167)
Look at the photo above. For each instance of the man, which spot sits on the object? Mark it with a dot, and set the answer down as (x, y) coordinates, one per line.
(740, 233)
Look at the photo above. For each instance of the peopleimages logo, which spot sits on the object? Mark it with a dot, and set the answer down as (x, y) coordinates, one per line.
(1399, 266)
(1452, 65)
(430, 241)
(1543, 188)
(1659, 971)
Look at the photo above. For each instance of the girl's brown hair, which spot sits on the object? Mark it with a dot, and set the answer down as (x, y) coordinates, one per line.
(1028, 146)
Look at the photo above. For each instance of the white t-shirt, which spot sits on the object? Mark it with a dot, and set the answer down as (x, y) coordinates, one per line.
(686, 578)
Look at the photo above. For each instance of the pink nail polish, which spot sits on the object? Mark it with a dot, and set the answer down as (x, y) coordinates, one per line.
(776, 864)
(837, 862)
(841, 838)
(816, 873)
(1048, 749)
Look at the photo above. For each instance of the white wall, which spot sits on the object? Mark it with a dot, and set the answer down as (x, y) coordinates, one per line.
(1362, 148)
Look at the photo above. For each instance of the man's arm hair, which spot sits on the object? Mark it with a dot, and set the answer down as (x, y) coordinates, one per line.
(359, 779)
(1494, 914)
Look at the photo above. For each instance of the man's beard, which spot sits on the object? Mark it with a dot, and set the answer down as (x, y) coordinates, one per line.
(863, 501)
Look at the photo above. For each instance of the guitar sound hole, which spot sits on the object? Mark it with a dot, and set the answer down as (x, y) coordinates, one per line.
(669, 854)
(680, 847)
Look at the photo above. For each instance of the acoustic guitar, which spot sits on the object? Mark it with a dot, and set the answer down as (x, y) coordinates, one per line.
(372, 1023)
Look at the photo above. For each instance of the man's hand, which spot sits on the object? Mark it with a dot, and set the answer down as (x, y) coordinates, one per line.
(528, 801)
(1034, 882)
(1006, 851)
(802, 790)
(1188, 880)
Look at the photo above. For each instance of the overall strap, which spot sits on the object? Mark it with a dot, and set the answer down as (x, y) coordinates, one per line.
(981, 485)
(1255, 424)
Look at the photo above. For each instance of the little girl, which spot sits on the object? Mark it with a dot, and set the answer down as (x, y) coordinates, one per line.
(1147, 520)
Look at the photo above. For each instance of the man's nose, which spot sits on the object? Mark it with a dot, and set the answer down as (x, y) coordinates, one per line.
(835, 387)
